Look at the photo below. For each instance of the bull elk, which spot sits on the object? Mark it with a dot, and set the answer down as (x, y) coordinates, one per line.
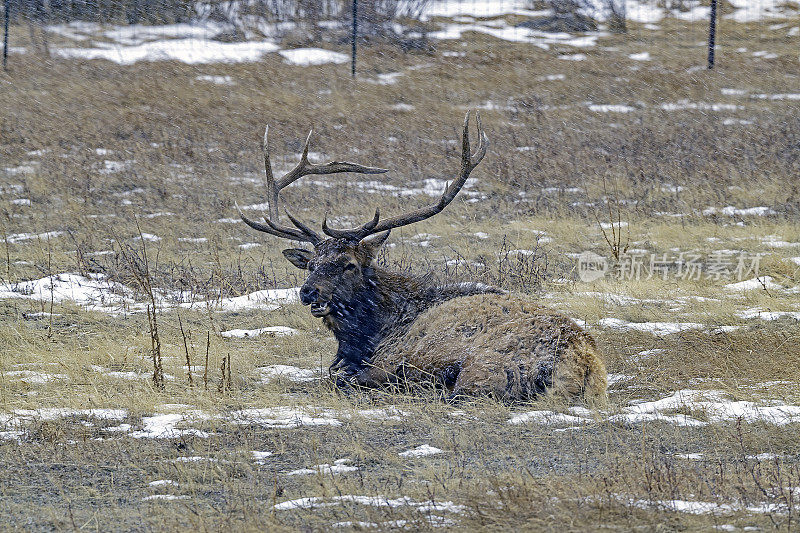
(468, 338)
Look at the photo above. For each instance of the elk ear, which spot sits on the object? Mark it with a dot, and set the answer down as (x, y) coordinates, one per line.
(370, 245)
(298, 257)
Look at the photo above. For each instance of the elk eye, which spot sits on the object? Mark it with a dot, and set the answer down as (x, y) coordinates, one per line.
(349, 267)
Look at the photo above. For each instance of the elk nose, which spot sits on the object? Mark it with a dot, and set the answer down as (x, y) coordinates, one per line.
(308, 295)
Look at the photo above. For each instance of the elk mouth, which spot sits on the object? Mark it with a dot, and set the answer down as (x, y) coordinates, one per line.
(320, 309)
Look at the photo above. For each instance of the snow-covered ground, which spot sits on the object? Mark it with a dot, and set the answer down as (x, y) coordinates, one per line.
(715, 406)
(97, 293)
(421, 451)
(174, 421)
(191, 51)
(195, 44)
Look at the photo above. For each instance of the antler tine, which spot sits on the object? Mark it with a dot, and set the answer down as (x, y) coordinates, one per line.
(297, 172)
(304, 168)
(302, 227)
(274, 188)
(468, 163)
(482, 140)
(272, 191)
(278, 231)
(354, 234)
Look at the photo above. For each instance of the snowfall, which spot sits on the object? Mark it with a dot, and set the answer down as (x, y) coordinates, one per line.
(59, 292)
(193, 44)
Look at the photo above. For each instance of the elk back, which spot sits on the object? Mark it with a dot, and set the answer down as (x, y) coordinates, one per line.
(506, 346)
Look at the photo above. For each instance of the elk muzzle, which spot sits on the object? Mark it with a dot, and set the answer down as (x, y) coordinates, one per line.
(310, 295)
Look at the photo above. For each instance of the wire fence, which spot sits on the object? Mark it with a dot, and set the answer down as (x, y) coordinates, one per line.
(344, 24)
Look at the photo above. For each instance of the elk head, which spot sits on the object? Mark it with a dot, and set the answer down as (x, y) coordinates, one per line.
(341, 265)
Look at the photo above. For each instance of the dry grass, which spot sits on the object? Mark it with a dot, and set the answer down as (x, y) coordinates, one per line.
(192, 148)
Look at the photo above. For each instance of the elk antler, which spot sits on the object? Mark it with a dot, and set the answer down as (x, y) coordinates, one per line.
(303, 168)
(468, 163)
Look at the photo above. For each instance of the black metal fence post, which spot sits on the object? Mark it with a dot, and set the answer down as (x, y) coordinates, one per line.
(712, 33)
(354, 38)
(7, 8)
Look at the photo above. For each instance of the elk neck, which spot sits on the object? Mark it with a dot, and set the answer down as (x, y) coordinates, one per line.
(375, 308)
(386, 304)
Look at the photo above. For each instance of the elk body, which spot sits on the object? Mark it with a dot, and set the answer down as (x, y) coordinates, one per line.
(467, 338)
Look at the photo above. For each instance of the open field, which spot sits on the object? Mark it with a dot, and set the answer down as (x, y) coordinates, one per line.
(116, 177)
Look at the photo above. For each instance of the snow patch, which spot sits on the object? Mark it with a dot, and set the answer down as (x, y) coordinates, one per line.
(748, 11)
(474, 8)
(573, 57)
(373, 501)
(261, 457)
(94, 293)
(275, 331)
(732, 92)
(389, 78)
(292, 373)
(736, 122)
(266, 300)
(716, 407)
(775, 242)
(768, 315)
(285, 417)
(190, 51)
(547, 418)
(759, 283)
(502, 30)
(305, 57)
(656, 328)
(20, 418)
(164, 426)
(194, 459)
(30, 376)
(730, 211)
(681, 105)
(162, 483)
(339, 466)
(23, 169)
(16, 238)
(217, 80)
(421, 451)
(609, 225)
(164, 497)
(611, 108)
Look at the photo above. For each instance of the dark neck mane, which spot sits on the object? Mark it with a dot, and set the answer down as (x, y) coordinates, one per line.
(387, 304)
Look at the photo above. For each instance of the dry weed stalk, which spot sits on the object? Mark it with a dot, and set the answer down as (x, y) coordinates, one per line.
(615, 240)
(52, 288)
(205, 368)
(186, 351)
(774, 480)
(226, 382)
(144, 280)
(8, 254)
(155, 348)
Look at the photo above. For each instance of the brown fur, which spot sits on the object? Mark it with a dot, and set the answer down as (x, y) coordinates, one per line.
(505, 346)
(468, 338)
